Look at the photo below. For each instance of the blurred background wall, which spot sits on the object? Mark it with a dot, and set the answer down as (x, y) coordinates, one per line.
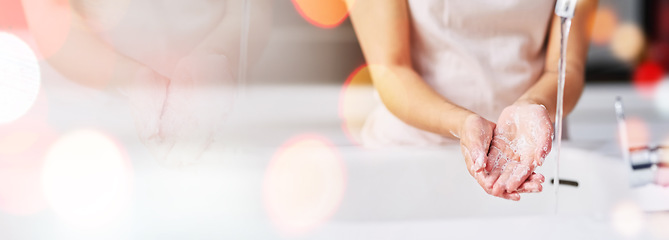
(301, 52)
(629, 37)
(625, 34)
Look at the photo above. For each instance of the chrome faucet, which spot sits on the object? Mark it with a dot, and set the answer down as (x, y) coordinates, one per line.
(565, 8)
(643, 160)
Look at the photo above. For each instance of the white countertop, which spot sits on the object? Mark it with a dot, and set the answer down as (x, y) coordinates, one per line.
(389, 194)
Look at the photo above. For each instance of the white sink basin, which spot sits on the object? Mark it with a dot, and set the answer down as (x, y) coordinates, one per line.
(389, 194)
(428, 184)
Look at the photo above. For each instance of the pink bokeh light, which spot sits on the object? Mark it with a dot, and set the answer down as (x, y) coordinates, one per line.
(23, 145)
(304, 184)
(49, 23)
(638, 134)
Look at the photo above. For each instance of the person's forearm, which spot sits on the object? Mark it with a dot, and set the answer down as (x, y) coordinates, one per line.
(544, 92)
(409, 98)
(383, 30)
(83, 57)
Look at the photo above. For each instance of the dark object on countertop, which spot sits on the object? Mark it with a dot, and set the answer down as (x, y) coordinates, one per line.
(566, 182)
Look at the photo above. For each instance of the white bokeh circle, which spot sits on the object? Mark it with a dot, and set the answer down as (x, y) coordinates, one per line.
(86, 179)
(19, 77)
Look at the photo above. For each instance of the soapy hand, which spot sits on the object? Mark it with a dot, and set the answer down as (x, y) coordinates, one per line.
(521, 141)
(178, 117)
(475, 142)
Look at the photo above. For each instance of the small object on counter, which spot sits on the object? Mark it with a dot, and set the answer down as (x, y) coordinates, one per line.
(572, 183)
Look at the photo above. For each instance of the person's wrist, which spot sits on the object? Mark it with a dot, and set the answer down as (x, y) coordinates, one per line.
(549, 106)
(533, 101)
(465, 118)
(529, 100)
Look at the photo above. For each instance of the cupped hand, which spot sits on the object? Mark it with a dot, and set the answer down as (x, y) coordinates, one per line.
(521, 141)
(476, 134)
(199, 98)
(475, 141)
(179, 117)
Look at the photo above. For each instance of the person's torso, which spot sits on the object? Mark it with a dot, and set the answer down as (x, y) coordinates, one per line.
(480, 54)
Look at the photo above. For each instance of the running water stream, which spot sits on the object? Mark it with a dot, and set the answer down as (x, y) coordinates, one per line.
(562, 71)
(244, 48)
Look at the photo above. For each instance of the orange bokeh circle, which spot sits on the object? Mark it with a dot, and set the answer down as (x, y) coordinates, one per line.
(356, 101)
(604, 24)
(323, 13)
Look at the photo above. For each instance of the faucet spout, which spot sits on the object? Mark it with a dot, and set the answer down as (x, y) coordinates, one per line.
(565, 8)
(643, 161)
